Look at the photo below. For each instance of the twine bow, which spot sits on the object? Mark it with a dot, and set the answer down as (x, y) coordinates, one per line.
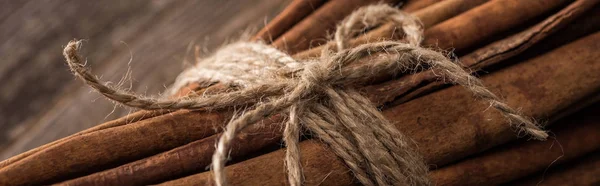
(319, 96)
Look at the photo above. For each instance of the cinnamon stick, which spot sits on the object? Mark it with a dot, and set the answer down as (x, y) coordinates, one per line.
(475, 30)
(479, 24)
(584, 25)
(464, 127)
(292, 14)
(574, 137)
(90, 162)
(180, 161)
(583, 171)
(134, 117)
(414, 5)
(313, 29)
(428, 16)
(517, 43)
(442, 10)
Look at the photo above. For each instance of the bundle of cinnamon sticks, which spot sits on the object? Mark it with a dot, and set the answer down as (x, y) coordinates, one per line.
(540, 56)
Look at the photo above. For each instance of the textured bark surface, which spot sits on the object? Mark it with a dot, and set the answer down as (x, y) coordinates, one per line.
(573, 137)
(485, 21)
(583, 171)
(315, 28)
(428, 16)
(459, 31)
(290, 16)
(413, 5)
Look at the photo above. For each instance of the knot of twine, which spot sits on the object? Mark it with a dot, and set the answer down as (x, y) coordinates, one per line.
(318, 96)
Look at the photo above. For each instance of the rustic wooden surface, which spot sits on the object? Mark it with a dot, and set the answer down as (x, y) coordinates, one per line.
(40, 101)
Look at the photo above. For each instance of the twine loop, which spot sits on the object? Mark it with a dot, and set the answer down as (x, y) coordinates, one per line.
(318, 96)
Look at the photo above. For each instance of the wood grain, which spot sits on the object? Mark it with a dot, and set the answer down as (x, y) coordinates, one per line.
(41, 102)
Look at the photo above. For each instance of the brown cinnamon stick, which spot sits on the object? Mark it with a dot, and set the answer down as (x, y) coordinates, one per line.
(476, 30)
(583, 171)
(134, 117)
(428, 16)
(313, 29)
(472, 26)
(414, 5)
(574, 137)
(521, 41)
(584, 25)
(292, 14)
(442, 10)
(464, 127)
(180, 161)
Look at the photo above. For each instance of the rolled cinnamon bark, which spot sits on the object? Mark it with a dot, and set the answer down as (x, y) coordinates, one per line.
(313, 29)
(428, 16)
(183, 160)
(292, 14)
(472, 26)
(479, 26)
(584, 25)
(583, 171)
(448, 125)
(134, 117)
(414, 5)
(442, 10)
(88, 159)
(576, 136)
(517, 43)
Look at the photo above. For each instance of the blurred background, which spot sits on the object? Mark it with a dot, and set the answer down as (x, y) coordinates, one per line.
(40, 101)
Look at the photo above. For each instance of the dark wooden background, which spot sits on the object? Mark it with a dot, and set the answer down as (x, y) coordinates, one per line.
(40, 101)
